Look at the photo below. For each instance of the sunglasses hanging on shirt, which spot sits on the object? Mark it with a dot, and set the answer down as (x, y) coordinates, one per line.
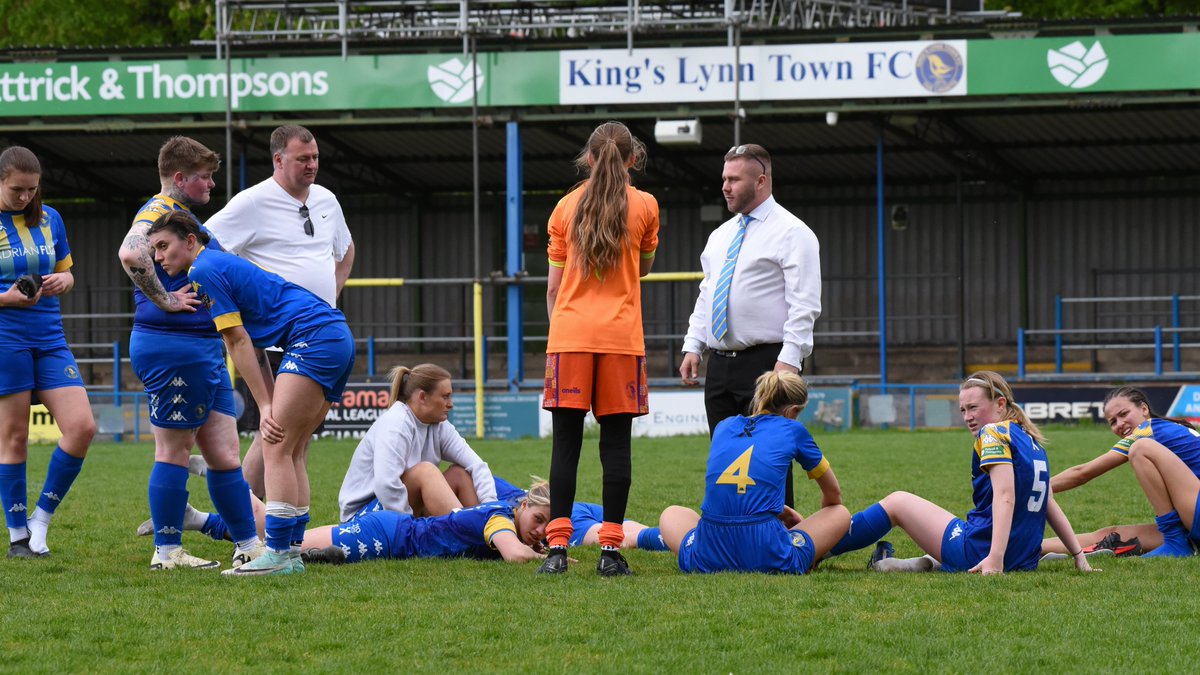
(308, 226)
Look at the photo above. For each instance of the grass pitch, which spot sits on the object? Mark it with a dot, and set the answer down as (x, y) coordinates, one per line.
(95, 606)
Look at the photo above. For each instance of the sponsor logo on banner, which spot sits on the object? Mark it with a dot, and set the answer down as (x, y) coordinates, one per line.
(1069, 404)
(1076, 66)
(452, 80)
(939, 68)
(1186, 403)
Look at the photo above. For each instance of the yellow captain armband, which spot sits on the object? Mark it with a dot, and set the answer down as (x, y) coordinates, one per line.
(555, 263)
(819, 470)
(228, 320)
(495, 525)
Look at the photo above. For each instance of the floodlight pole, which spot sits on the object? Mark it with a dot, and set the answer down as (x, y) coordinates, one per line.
(223, 40)
(881, 255)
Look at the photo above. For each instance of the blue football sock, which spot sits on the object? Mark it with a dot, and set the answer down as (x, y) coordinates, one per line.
(1175, 543)
(168, 500)
(650, 539)
(215, 527)
(281, 519)
(866, 528)
(301, 523)
(59, 475)
(12, 494)
(231, 496)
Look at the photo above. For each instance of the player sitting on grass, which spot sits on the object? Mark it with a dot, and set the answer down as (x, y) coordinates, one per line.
(1147, 435)
(745, 526)
(1012, 496)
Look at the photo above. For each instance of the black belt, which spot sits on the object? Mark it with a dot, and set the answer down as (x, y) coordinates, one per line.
(733, 354)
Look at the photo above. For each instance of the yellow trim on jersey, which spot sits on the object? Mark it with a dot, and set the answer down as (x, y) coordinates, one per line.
(820, 469)
(64, 264)
(649, 254)
(994, 444)
(228, 320)
(159, 208)
(495, 525)
(557, 264)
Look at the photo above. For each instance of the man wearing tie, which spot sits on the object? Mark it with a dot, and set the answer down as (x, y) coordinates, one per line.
(760, 296)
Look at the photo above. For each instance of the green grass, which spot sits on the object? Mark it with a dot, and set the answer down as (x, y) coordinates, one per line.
(94, 606)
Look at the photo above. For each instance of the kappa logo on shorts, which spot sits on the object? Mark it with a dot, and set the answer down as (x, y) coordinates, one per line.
(691, 539)
(178, 398)
(956, 531)
(71, 372)
(179, 382)
(362, 549)
(290, 366)
(300, 345)
(345, 550)
(378, 547)
(176, 417)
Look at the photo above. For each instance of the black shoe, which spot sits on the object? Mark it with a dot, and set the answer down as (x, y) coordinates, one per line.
(330, 555)
(555, 562)
(612, 564)
(20, 549)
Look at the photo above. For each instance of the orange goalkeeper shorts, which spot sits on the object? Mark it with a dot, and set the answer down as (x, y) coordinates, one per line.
(606, 384)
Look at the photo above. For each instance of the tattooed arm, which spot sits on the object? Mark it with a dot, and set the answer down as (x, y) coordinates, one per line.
(138, 262)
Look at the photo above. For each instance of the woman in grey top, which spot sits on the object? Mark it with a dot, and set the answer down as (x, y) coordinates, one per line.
(411, 439)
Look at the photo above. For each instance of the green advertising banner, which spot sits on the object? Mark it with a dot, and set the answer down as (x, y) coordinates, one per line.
(1084, 64)
(1069, 65)
(278, 84)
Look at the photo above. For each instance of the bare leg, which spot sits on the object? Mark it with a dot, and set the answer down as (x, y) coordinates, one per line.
(428, 492)
(1168, 483)
(461, 483)
(319, 537)
(675, 523)
(826, 527)
(14, 428)
(924, 521)
(218, 441)
(254, 470)
(1147, 534)
(71, 410)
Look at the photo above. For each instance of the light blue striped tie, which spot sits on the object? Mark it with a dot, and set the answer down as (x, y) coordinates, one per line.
(720, 306)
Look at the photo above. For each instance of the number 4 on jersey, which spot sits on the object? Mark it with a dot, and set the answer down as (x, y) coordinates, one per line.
(738, 472)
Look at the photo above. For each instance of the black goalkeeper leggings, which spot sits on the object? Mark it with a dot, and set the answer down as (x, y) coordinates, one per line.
(615, 432)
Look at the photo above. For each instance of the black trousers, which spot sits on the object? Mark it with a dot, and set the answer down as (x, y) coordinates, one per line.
(729, 388)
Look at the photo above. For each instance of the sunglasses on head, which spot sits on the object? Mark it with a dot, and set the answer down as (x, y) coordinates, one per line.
(308, 226)
(744, 150)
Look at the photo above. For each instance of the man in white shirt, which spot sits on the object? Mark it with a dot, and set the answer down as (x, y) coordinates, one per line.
(761, 292)
(291, 226)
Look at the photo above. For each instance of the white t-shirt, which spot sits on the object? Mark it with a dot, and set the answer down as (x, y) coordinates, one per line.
(263, 225)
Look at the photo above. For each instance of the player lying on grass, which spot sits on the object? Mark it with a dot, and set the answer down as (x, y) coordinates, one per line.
(1012, 496)
(745, 525)
(1165, 455)
(585, 518)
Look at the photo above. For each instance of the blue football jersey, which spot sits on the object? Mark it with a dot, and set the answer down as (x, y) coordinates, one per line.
(1181, 440)
(463, 533)
(146, 315)
(274, 311)
(26, 248)
(1007, 443)
(748, 462)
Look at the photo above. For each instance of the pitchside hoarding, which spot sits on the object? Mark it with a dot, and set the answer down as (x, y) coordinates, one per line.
(832, 72)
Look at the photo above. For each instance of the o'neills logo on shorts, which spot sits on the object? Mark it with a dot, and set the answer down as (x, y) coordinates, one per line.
(571, 390)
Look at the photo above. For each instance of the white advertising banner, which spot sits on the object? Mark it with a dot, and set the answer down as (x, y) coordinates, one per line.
(768, 73)
(672, 413)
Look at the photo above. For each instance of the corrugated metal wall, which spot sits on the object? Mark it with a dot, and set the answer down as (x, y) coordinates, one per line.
(1082, 239)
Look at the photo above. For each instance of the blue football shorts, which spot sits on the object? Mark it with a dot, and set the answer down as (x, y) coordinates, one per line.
(372, 536)
(761, 546)
(184, 376)
(38, 367)
(325, 356)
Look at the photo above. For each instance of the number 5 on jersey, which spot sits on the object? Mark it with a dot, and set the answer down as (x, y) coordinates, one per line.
(738, 472)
